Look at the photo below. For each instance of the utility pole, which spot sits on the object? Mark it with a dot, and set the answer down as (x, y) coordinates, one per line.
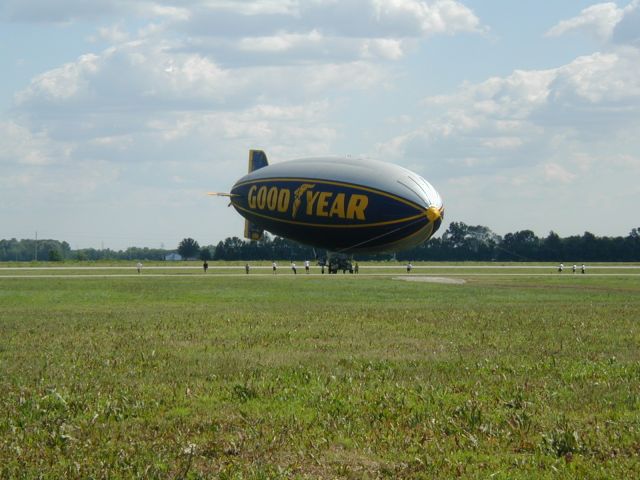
(36, 253)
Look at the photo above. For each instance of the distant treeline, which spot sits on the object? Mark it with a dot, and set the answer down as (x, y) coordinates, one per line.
(463, 242)
(466, 242)
(53, 250)
(460, 242)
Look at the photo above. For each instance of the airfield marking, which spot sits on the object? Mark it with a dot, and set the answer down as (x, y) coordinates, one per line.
(429, 279)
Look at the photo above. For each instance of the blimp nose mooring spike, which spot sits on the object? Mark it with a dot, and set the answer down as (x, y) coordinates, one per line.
(433, 213)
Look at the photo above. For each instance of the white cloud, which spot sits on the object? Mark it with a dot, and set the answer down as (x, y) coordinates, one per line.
(143, 112)
(627, 30)
(600, 79)
(146, 76)
(557, 173)
(280, 43)
(19, 146)
(170, 109)
(600, 20)
(317, 31)
(424, 18)
(230, 34)
(254, 7)
(532, 141)
(376, 18)
(113, 34)
(386, 48)
(62, 84)
(499, 143)
(147, 9)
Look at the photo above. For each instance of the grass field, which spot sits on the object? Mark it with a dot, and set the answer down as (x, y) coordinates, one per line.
(184, 375)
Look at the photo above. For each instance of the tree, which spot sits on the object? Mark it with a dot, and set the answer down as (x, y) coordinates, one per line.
(188, 248)
(219, 253)
(552, 248)
(466, 242)
(455, 234)
(205, 254)
(522, 245)
(233, 248)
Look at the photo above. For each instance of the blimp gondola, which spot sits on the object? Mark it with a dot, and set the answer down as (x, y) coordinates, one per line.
(342, 205)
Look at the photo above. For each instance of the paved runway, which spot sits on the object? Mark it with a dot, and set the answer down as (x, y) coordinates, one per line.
(283, 266)
(285, 272)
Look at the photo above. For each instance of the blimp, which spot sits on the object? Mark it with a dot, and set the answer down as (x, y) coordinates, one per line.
(343, 205)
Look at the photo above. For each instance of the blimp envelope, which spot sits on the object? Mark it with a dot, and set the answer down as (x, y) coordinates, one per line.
(343, 205)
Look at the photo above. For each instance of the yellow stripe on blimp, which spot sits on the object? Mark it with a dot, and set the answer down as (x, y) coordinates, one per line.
(338, 184)
(323, 225)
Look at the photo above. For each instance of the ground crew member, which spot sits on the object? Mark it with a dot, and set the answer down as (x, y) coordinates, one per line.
(205, 266)
(246, 268)
(356, 268)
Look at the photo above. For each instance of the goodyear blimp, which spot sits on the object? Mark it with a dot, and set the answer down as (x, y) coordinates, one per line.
(339, 204)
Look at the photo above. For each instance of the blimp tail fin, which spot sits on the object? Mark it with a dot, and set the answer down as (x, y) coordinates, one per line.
(252, 231)
(257, 159)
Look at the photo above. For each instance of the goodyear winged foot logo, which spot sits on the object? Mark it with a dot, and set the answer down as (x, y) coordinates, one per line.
(297, 196)
(306, 198)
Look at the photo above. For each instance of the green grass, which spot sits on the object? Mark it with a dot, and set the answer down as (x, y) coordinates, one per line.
(193, 376)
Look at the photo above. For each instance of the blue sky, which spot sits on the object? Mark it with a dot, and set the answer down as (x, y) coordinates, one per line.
(117, 116)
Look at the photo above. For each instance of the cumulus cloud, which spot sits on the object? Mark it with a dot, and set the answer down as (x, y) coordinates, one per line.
(534, 138)
(265, 32)
(114, 34)
(389, 18)
(603, 21)
(557, 173)
(439, 17)
(317, 31)
(144, 106)
(627, 30)
(377, 18)
(600, 80)
(18, 145)
(171, 100)
(115, 91)
(594, 95)
(176, 64)
(599, 20)
(165, 103)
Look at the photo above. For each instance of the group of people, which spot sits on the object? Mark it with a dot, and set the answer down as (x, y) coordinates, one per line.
(274, 267)
(583, 268)
(294, 268)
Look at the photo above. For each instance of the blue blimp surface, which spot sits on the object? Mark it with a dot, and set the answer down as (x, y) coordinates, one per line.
(342, 205)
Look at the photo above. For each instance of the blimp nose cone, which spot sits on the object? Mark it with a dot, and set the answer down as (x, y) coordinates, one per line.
(434, 213)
